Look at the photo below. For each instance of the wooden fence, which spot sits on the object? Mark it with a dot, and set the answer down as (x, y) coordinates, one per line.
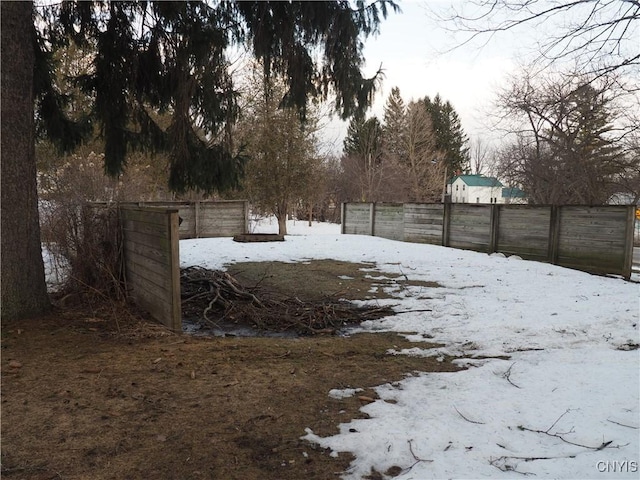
(596, 239)
(152, 261)
(204, 218)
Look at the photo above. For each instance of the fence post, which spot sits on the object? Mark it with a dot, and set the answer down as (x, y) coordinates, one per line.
(554, 234)
(372, 218)
(196, 219)
(494, 228)
(343, 216)
(404, 223)
(628, 243)
(446, 222)
(245, 210)
(176, 302)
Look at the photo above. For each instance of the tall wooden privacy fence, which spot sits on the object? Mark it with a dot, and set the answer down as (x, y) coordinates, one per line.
(595, 239)
(203, 218)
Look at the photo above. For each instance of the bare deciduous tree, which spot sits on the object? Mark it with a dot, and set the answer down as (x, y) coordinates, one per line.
(480, 156)
(424, 173)
(282, 151)
(569, 138)
(409, 145)
(601, 34)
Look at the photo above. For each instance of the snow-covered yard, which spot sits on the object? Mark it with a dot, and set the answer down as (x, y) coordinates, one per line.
(552, 388)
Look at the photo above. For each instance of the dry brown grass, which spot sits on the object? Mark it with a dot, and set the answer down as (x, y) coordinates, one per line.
(86, 397)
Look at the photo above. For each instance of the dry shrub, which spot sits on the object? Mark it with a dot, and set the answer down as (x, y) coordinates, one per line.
(84, 243)
(84, 240)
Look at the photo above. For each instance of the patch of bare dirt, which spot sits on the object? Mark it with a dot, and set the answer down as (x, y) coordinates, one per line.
(321, 279)
(103, 394)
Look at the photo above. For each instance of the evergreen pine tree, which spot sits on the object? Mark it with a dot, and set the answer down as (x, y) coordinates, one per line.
(451, 141)
(395, 126)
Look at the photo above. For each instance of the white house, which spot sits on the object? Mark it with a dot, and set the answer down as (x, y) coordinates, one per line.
(481, 189)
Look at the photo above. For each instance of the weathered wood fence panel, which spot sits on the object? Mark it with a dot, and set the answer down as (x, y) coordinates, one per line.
(388, 221)
(470, 227)
(206, 219)
(222, 219)
(423, 222)
(524, 230)
(152, 261)
(591, 238)
(594, 239)
(357, 218)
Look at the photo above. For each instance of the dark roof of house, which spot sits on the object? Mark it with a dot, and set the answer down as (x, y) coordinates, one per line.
(478, 181)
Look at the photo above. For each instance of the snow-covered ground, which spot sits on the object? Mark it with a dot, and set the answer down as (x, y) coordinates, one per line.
(564, 404)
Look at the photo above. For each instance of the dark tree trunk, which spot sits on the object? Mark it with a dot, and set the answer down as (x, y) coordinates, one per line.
(24, 291)
(282, 212)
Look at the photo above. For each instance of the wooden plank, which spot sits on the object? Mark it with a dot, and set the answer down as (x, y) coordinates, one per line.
(423, 229)
(154, 272)
(213, 225)
(146, 286)
(524, 231)
(153, 229)
(144, 217)
(357, 230)
(525, 242)
(468, 219)
(159, 270)
(146, 240)
(150, 211)
(209, 216)
(423, 223)
(144, 296)
(473, 234)
(434, 238)
(358, 221)
(446, 224)
(591, 238)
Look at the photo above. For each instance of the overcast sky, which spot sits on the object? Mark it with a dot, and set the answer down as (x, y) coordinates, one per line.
(413, 50)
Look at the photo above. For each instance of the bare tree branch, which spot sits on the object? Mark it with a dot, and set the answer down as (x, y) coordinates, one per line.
(601, 35)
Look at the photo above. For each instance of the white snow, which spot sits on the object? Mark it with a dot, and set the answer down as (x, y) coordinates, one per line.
(56, 268)
(563, 403)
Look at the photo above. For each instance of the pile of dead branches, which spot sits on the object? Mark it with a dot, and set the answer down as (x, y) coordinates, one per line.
(215, 298)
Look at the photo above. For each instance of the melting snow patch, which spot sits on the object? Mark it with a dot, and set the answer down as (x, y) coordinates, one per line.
(339, 394)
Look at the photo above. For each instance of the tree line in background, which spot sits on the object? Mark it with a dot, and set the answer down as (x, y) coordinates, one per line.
(566, 141)
(408, 156)
(285, 168)
(574, 138)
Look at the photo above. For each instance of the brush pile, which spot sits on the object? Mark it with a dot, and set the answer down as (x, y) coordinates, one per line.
(215, 298)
